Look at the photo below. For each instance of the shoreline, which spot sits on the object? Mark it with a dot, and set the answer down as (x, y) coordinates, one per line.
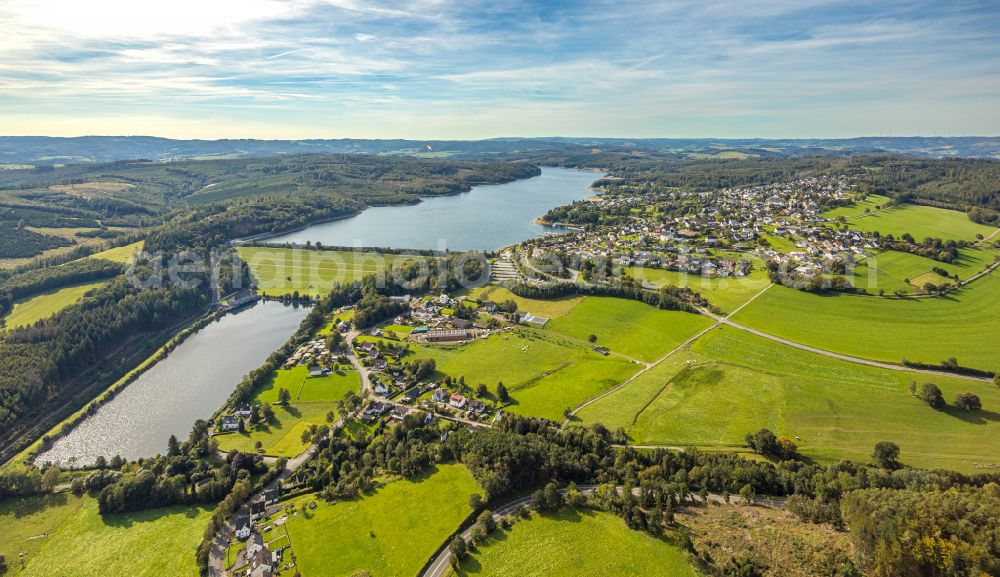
(420, 198)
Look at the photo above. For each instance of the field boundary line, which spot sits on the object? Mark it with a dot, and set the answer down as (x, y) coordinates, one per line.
(644, 370)
(849, 358)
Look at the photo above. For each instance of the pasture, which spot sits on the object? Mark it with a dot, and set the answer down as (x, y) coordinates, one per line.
(629, 327)
(549, 309)
(919, 221)
(893, 271)
(313, 272)
(392, 532)
(731, 383)
(312, 399)
(120, 253)
(576, 543)
(725, 293)
(43, 305)
(65, 536)
(962, 324)
(543, 372)
(871, 204)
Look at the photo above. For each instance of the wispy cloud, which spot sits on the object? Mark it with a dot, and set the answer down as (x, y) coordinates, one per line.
(451, 68)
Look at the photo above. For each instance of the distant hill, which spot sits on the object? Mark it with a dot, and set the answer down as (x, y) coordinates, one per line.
(41, 150)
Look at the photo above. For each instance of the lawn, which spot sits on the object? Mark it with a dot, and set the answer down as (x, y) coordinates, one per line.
(305, 389)
(629, 327)
(393, 532)
(545, 373)
(65, 536)
(779, 243)
(312, 399)
(725, 293)
(544, 308)
(919, 221)
(285, 270)
(731, 383)
(576, 543)
(963, 324)
(43, 305)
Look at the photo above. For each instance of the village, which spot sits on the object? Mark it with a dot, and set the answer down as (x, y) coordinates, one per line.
(708, 234)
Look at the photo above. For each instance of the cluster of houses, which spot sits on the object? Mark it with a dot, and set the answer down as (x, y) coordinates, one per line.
(257, 559)
(312, 353)
(734, 219)
(442, 396)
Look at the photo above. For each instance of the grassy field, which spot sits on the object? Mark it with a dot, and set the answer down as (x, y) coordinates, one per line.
(312, 399)
(393, 532)
(629, 327)
(62, 535)
(576, 543)
(872, 203)
(919, 221)
(545, 373)
(285, 270)
(731, 383)
(890, 270)
(544, 308)
(725, 293)
(963, 325)
(119, 253)
(46, 304)
(780, 243)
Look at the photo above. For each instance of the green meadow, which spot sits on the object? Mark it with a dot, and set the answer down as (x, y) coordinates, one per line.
(65, 536)
(393, 532)
(919, 221)
(893, 271)
(314, 272)
(725, 293)
(549, 309)
(576, 543)
(543, 372)
(732, 382)
(43, 305)
(629, 327)
(120, 253)
(312, 399)
(963, 324)
(872, 203)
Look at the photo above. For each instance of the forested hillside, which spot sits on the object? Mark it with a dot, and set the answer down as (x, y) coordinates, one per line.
(130, 195)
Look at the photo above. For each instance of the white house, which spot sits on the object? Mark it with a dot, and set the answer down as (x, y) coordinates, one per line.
(457, 400)
(243, 527)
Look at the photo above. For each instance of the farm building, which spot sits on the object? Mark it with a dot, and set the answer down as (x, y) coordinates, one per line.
(447, 335)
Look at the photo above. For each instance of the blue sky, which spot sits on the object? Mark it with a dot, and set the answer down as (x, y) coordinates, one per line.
(480, 69)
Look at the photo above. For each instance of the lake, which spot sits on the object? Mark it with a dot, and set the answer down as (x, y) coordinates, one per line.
(486, 218)
(192, 382)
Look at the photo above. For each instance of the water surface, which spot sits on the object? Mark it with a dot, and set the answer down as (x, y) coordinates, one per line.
(193, 381)
(486, 218)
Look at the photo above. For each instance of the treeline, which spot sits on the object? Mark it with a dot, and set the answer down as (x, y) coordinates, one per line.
(188, 473)
(39, 280)
(215, 225)
(933, 248)
(940, 532)
(669, 298)
(19, 242)
(520, 455)
(49, 361)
